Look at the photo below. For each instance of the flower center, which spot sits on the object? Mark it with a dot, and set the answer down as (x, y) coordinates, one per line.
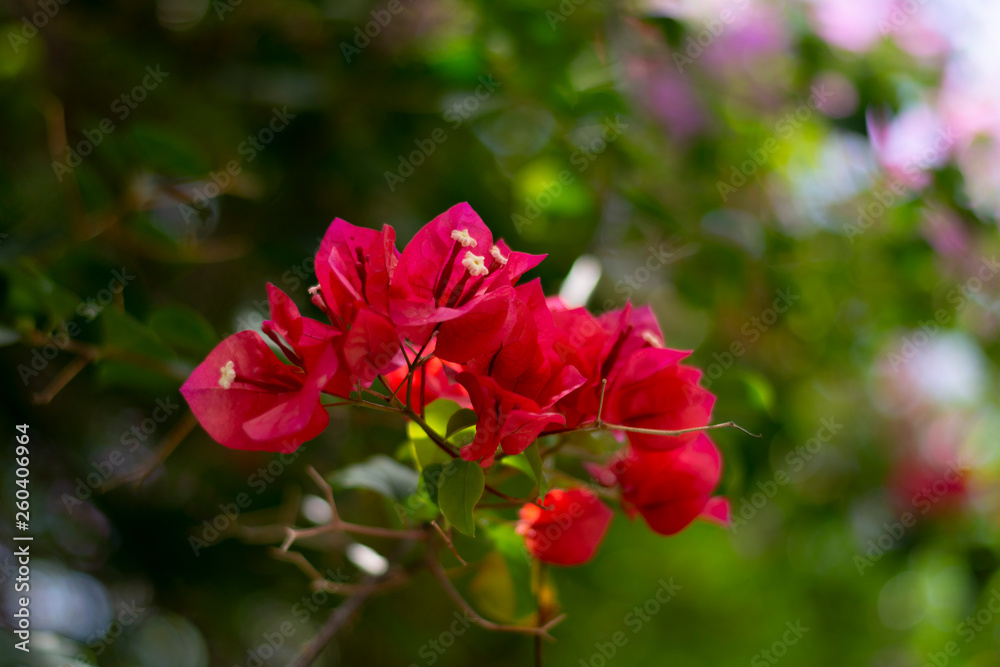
(475, 264)
(498, 256)
(464, 238)
(228, 374)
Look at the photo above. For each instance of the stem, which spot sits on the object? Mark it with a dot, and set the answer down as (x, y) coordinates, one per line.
(70, 371)
(336, 524)
(337, 620)
(442, 577)
(604, 426)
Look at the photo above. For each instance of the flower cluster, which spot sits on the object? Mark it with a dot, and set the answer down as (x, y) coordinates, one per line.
(447, 317)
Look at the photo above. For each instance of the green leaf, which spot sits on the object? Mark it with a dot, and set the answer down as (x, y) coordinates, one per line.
(150, 364)
(530, 463)
(431, 478)
(460, 421)
(183, 329)
(459, 489)
(437, 415)
(535, 461)
(424, 450)
(381, 475)
(511, 547)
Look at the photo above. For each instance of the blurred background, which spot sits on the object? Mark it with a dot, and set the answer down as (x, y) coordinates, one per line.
(804, 191)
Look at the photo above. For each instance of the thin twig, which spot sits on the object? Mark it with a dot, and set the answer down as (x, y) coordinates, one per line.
(651, 431)
(337, 525)
(448, 542)
(600, 406)
(473, 615)
(337, 620)
(70, 371)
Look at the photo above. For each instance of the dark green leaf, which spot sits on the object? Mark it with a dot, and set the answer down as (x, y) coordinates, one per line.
(459, 489)
(184, 329)
(431, 478)
(460, 421)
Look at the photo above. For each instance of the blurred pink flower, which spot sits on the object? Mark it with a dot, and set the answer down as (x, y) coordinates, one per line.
(911, 144)
(850, 24)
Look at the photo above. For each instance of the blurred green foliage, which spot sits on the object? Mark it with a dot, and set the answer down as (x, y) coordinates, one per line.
(202, 148)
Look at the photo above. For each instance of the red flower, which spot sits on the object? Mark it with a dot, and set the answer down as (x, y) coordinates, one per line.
(246, 398)
(354, 265)
(598, 347)
(671, 488)
(510, 337)
(569, 531)
(447, 268)
(371, 346)
(505, 419)
(653, 391)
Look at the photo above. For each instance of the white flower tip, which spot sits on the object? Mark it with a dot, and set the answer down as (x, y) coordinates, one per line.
(464, 238)
(228, 374)
(498, 256)
(314, 290)
(475, 264)
(653, 339)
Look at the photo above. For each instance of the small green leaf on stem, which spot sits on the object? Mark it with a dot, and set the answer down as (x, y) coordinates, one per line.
(460, 487)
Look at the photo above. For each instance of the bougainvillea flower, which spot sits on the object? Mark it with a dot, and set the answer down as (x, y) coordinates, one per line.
(569, 530)
(448, 266)
(634, 329)
(504, 419)
(371, 346)
(509, 337)
(671, 488)
(598, 347)
(354, 265)
(246, 398)
(654, 391)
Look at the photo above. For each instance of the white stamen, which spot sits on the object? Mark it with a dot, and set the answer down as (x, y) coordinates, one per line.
(475, 264)
(495, 251)
(464, 238)
(314, 290)
(228, 375)
(653, 339)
